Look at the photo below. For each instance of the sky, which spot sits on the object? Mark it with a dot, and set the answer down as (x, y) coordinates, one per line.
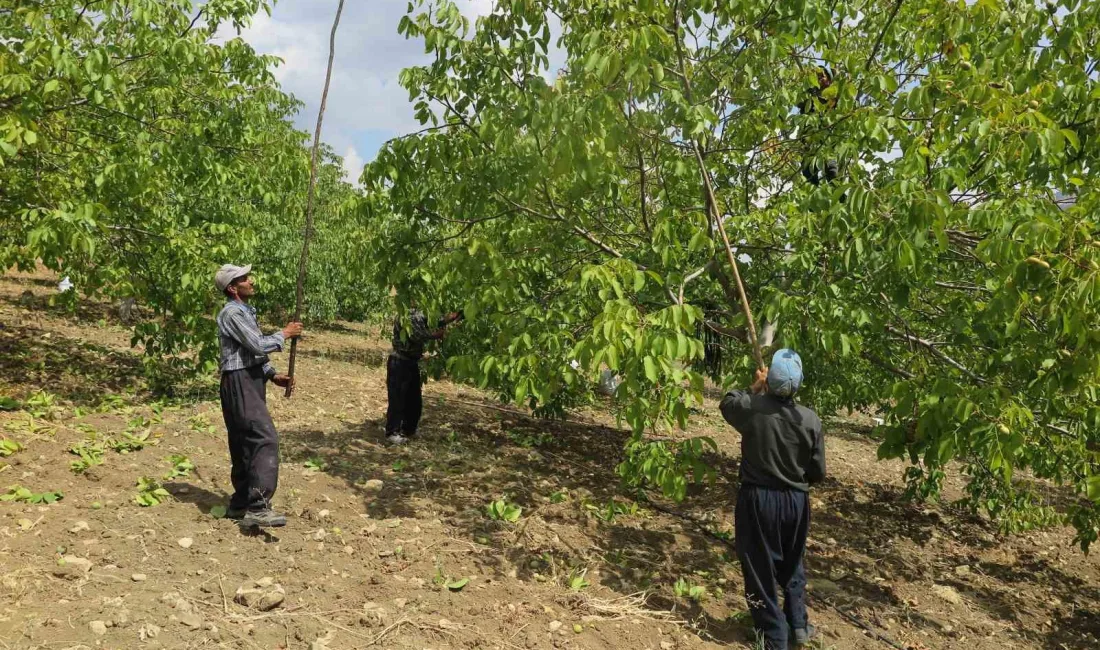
(366, 105)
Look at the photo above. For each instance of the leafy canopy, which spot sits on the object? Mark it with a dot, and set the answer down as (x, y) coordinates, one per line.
(949, 276)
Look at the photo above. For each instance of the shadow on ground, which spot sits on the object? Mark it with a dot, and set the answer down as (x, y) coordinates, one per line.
(75, 370)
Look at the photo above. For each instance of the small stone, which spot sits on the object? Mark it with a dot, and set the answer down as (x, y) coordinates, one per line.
(962, 570)
(191, 620)
(80, 526)
(400, 602)
(824, 587)
(148, 631)
(83, 563)
(72, 567)
(138, 577)
(263, 595)
(349, 550)
(373, 485)
(554, 626)
(947, 594)
(98, 628)
(185, 542)
(667, 645)
(322, 514)
(320, 535)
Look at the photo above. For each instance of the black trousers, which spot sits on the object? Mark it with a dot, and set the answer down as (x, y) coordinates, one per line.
(771, 527)
(405, 399)
(253, 440)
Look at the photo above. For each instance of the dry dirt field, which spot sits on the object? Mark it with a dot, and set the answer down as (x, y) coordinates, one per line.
(393, 548)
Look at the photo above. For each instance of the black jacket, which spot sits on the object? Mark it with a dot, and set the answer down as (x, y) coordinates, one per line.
(782, 445)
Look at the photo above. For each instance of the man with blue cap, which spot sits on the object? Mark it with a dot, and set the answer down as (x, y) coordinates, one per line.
(782, 454)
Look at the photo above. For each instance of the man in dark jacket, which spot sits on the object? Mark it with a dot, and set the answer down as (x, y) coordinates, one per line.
(782, 454)
(403, 373)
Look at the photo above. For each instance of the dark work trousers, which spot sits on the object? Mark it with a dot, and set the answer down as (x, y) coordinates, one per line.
(253, 441)
(405, 399)
(771, 527)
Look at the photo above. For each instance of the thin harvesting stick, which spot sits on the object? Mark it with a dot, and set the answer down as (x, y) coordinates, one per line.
(307, 233)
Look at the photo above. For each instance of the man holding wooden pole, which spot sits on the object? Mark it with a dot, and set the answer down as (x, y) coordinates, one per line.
(245, 371)
(782, 454)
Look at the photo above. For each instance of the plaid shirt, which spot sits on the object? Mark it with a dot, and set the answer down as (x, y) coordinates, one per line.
(243, 345)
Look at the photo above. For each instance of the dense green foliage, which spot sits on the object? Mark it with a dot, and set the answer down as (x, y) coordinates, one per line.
(137, 154)
(938, 278)
(942, 279)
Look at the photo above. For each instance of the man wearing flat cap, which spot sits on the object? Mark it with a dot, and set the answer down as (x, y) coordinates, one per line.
(782, 454)
(245, 371)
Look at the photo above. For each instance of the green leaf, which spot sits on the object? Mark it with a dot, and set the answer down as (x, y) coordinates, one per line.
(1092, 488)
(650, 369)
(457, 585)
(218, 512)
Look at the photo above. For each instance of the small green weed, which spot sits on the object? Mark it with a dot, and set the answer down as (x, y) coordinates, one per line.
(9, 403)
(150, 492)
(608, 511)
(181, 467)
(129, 441)
(529, 440)
(41, 405)
(576, 580)
(9, 447)
(112, 402)
(19, 493)
(684, 589)
(200, 424)
(501, 510)
(30, 427)
(316, 464)
(89, 454)
(558, 497)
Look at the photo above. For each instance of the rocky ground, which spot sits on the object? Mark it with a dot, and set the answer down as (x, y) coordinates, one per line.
(393, 547)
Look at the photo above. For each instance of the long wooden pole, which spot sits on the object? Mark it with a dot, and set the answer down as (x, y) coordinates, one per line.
(716, 213)
(307, 232)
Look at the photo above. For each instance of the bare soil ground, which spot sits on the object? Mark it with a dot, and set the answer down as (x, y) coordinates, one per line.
(377, 533)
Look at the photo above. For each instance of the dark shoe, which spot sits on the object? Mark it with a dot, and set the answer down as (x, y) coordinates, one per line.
(235, 513)
(801, 636)
(263, 519)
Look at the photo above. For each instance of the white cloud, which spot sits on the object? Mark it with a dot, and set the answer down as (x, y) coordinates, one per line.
(353, 166)
(366, 104)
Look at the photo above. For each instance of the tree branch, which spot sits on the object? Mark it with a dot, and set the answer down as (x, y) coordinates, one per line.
(934, 349)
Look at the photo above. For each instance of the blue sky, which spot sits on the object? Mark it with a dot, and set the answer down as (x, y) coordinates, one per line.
(366, 105)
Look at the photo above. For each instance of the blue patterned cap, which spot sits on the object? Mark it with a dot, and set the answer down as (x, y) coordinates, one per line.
(785, 373)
